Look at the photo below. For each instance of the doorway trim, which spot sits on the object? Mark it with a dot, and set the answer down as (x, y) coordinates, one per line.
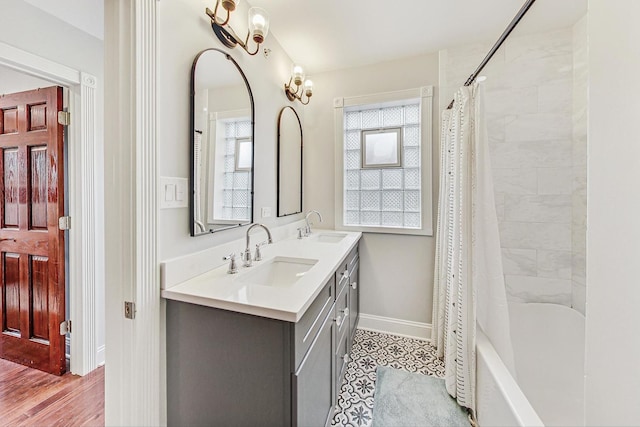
(86, 241)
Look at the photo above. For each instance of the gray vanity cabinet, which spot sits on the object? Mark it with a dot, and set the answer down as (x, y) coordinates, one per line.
(233, 369)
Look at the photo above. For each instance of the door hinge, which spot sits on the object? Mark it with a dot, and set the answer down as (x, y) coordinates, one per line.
(64, 223)
(64, 118)
(65, 327)
(129, 310)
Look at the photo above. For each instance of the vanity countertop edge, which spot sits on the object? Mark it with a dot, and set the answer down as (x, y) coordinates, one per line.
(217, 289)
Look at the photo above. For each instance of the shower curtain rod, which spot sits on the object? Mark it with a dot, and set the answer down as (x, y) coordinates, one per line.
(514, 22)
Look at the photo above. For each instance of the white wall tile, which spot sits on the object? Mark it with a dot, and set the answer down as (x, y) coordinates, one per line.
(521, 262)
(549, 209)
(556, 97)
(532, 47)
(538, 289)
(537, 235)
(499, 197)
(515, 181)
(578, 268)
(512, 101)
(538, 127)
(495, 127)
(579, 297)
(554, 264)
(536, 120)
(533, 154)
(522, 73)
(555, 180)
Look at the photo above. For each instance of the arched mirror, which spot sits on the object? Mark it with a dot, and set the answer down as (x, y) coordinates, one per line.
(221, 144)
(289, 162)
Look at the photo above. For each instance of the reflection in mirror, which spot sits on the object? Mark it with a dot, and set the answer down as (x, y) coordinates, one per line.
(289, 162)
(222, 144)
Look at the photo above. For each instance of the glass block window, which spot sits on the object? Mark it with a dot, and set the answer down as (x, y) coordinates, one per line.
(389, 197)
(236, 190)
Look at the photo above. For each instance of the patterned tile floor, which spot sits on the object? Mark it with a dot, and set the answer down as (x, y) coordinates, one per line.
(369, 350)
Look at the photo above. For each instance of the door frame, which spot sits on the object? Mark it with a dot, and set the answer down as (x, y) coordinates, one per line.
(86, 190)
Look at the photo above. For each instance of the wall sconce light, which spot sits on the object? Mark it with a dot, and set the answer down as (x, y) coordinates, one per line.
(300, 90)
(258, 26)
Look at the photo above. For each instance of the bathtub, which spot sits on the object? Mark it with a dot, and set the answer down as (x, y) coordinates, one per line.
(548, 347)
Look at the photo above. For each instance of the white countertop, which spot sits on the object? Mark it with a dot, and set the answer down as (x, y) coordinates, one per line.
(216, 288)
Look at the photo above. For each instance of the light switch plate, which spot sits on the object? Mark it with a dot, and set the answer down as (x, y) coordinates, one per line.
(173, 192)
(266, 212)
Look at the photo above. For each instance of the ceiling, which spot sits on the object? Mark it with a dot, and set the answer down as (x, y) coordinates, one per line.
(326, 35)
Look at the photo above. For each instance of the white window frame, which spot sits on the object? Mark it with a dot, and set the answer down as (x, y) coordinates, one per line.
(425, 94)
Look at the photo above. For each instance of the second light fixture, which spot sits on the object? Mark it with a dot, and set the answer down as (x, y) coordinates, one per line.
(296, 89)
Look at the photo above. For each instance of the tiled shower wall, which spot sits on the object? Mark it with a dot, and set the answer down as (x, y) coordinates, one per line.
(530, 116)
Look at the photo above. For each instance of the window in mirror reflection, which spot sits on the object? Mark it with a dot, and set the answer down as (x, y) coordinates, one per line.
(231, 168)
(243, 154)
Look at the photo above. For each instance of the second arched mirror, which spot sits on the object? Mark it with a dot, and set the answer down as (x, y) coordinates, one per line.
(289, 162)
(221, 144)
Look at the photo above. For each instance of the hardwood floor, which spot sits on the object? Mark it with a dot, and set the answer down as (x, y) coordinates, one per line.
(29, 397)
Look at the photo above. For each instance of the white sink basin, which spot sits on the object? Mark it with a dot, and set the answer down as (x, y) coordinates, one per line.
(279, 272)
(328, 237)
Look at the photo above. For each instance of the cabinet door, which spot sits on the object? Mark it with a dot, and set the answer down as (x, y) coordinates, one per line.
(312, 391)
(354, 299)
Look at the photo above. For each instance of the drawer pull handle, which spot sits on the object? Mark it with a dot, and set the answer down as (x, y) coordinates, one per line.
(339, 321)
(346, 358)
(346, 312)
(345, 274)
(354, 285)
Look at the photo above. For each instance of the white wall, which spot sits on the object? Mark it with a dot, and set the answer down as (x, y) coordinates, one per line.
(396, 271)
(184, 31)
(12, 81)
(613, 231)
(29, 28)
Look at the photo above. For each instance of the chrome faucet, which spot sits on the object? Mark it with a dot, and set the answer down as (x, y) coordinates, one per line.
(307, 229)
(246, 255)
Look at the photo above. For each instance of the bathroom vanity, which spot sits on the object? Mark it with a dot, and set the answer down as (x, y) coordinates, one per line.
(267, 346)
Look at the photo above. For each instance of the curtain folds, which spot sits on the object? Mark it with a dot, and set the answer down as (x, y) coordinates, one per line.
(468, 277)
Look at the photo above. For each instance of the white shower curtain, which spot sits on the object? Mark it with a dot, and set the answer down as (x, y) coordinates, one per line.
(468, 279)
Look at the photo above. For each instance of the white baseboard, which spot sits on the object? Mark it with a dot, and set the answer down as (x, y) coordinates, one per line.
(405, 328)
(100, 358)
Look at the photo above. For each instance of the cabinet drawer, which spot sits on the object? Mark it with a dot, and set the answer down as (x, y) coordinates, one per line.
(347, 264)
(307, 327)
(342, 312)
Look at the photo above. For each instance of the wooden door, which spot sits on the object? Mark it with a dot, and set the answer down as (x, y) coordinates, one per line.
(31, 245)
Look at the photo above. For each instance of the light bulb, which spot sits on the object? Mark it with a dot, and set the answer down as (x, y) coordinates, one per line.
(298, 74)
(258, 24)
(308, 87)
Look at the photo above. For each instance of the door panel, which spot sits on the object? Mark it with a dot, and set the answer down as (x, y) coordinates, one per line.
(11, 187)
(38, 180)
(31, 245)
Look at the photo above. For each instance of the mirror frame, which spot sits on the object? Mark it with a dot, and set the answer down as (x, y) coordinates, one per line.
(278, 213)
(192, 129)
